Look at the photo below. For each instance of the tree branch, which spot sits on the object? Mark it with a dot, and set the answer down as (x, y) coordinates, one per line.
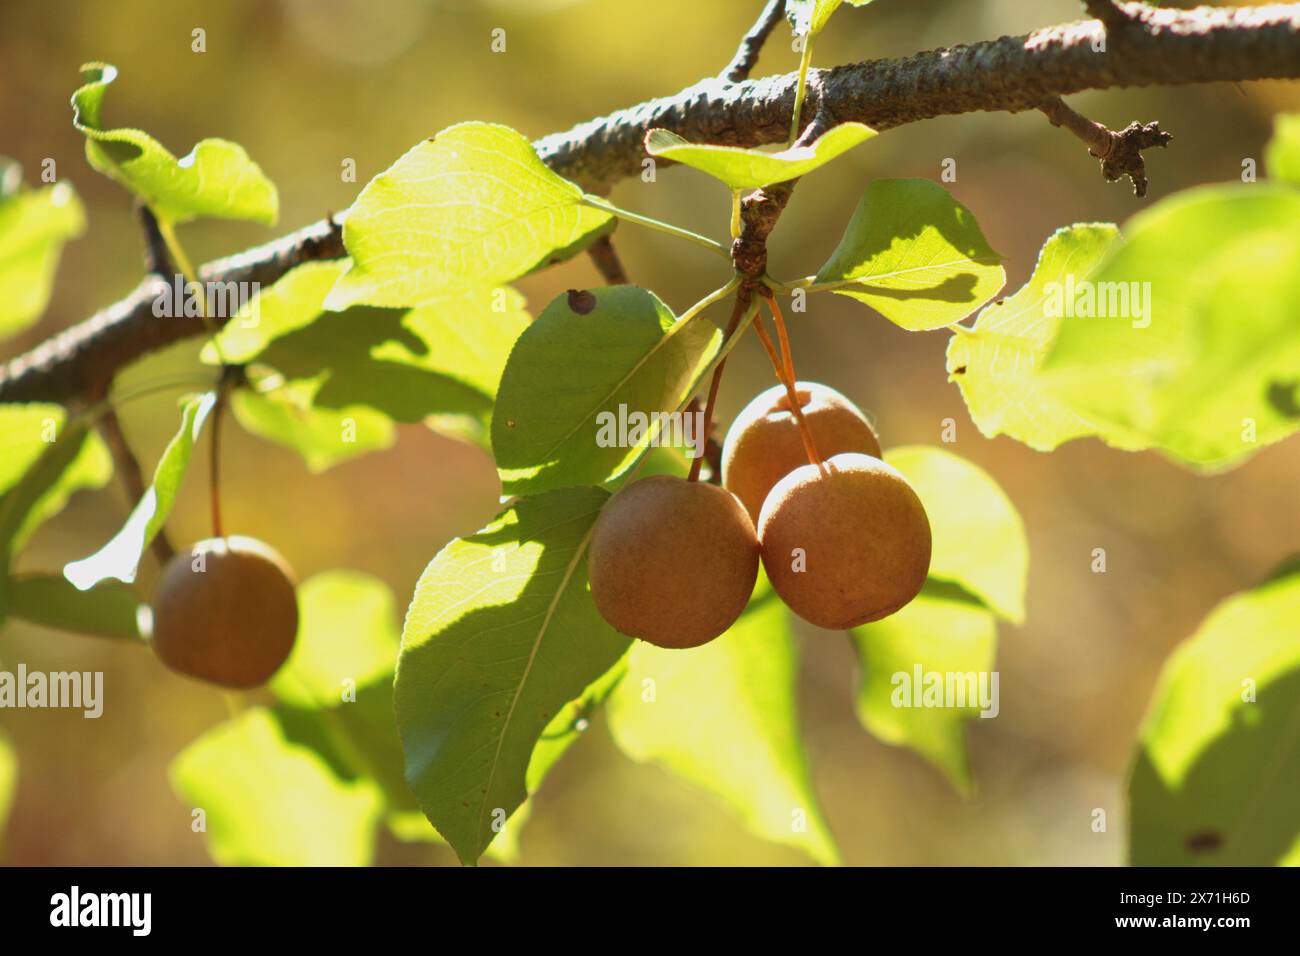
(1120, 153)
(742, 64)
(128, 470)
(1010, 74)
(157, 259)
(608, 264)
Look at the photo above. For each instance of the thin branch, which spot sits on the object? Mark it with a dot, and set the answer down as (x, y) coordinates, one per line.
(157, 260)
(752, 44)
(128, 470)
(607, 262)
(1120, 152)
(88, 355)
(1162, 46)
(743, 300)
(1109, 12)
(760, 210)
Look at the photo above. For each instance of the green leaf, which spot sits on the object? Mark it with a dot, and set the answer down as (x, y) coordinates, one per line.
(915, 255)
(566, 728)
(43, 463)
(120, 558)
(500, 636)
(943, 634)
(270, 802)
(215, 180)
(1217, 769)
(754, 168)
(439, 363)
(8, 785)
(444, 358)
(34, 225)
(112, 610)
(472, 206)
(995, 364)
(293, 301)
(979, 539)
(1283, 156)
(347, 638)
(810, 16)
(725, 717)
(1185, 339)
(324, 437)
(570, 374)
(26, 432)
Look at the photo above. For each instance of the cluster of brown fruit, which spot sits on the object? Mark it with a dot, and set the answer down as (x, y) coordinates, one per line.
(844, 541)
(226, 611)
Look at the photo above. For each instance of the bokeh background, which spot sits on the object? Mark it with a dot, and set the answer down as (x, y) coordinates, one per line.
(304, 84)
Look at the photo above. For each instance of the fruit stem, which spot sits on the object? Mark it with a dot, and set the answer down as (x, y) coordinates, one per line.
(743, 305)
(783, 336)
(791, 392)
(214, 475)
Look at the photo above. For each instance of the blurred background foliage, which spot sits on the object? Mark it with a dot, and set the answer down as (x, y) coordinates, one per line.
(306, 84)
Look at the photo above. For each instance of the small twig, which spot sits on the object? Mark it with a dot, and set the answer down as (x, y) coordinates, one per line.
(157, 259)
(1110, 13)
(128, 469)
(760, 210)
(607, 262)
(743, 299)
(752, 44)
(1120, 152)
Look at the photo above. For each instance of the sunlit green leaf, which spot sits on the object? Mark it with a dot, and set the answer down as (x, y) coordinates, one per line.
(1282, 160)
(324, 437)
(1186, 338)
(270, 802)
(8, 785)
(347, 638)
(945, 639)
(120, 558)
(754, 168)
(472, 206)
(500, 636)
(915, 255)
(1218, 763)
(725, 717)
(568, 726)
(978, 538)
(995, 363)
(293, 301)
(570, 722)
(439, 364)
(572, 378)
(110, 610)
(44, 462)
(34, 225)
(810, 16)
(216, 179)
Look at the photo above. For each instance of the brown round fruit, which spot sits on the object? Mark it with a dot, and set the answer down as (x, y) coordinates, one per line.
(764, 445)
(672, 561)
(226, 612)
(846, 542)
